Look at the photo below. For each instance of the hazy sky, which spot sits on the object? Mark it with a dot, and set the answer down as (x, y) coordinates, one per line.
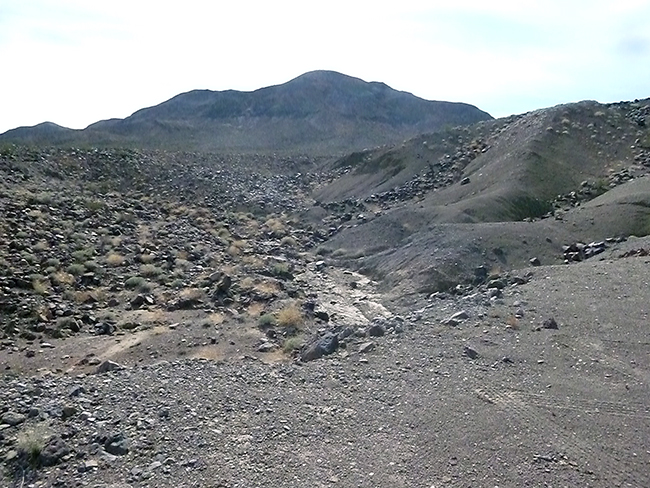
(74, 62)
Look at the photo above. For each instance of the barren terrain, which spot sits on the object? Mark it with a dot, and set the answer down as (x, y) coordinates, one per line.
(469, 312)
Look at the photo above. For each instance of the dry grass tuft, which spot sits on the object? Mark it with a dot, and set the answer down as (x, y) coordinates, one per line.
(253, 261)
(255, 309)
(290, 316)
(276, 226)
(114, 259)
(194, 294)
(33, 440)
(61, 278)
(41, 287)
(150, 270)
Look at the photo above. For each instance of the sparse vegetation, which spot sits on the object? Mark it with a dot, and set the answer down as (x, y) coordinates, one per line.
(150, 271)
(147, 258)
(527, 208)
(41, 287)
(292, 344)
(76, 269)
(31, 441)
(281, 270)
(290, 316)
(61, 278)
(288, 241)
(137, 282)
(266, 320)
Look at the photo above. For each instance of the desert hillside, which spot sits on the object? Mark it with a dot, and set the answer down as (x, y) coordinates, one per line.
(468, 307)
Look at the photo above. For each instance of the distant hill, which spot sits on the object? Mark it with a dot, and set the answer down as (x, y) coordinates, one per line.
(320, 112)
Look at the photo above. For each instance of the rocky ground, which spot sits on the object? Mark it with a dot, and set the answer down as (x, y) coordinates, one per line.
(168, 324)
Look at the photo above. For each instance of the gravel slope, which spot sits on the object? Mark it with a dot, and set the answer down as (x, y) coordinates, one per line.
(491, 401)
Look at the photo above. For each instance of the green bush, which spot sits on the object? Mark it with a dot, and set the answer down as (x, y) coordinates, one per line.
(76, 269)
(266, 320)
(134, 282)
(292, 344)
(281, 270)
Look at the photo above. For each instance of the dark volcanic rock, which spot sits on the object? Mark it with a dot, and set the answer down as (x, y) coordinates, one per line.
(322, 347)
(550, 323)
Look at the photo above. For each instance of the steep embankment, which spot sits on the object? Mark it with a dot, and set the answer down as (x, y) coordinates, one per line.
(495, 194)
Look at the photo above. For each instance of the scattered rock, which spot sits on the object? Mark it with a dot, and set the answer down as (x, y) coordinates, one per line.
(12, 418)
(366, 347)
(117, 445)
(376, 330)
(54, 451)
(322, 347)
(107, 366)
(68, 411)
(550, 323)
(470, 352)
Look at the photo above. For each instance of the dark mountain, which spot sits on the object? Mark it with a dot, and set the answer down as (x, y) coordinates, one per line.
(321, 112)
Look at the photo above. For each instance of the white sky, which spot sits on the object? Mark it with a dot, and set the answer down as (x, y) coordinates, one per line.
(74, 62)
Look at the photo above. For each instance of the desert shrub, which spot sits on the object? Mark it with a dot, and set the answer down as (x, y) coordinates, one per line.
(233, 251)
(276, 226)
(281, 270)
(526, 207)
(340, 252)
(288, 241)
(95, 295)
(40, 287)
(247, 283)
(91, 265)
(147, 258)
(150, 270)
(323, 251)
(76, 269)
(82, 254)
(61, 278)
(94, 205)
(114, 259)
(253, 261)
(127, 217)
(42, 198)
(52, 263)
(289, 316)
(67, 323)
(177, 284)
(193, 294)
(41, 246)
(266, 320)
(292, 344)
(134, 282)
(223, 233)
(31, 442)
(182, 263)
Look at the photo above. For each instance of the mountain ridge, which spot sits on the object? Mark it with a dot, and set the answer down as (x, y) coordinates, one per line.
(318, 112)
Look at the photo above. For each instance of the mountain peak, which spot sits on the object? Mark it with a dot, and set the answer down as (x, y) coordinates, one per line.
(319, 112)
